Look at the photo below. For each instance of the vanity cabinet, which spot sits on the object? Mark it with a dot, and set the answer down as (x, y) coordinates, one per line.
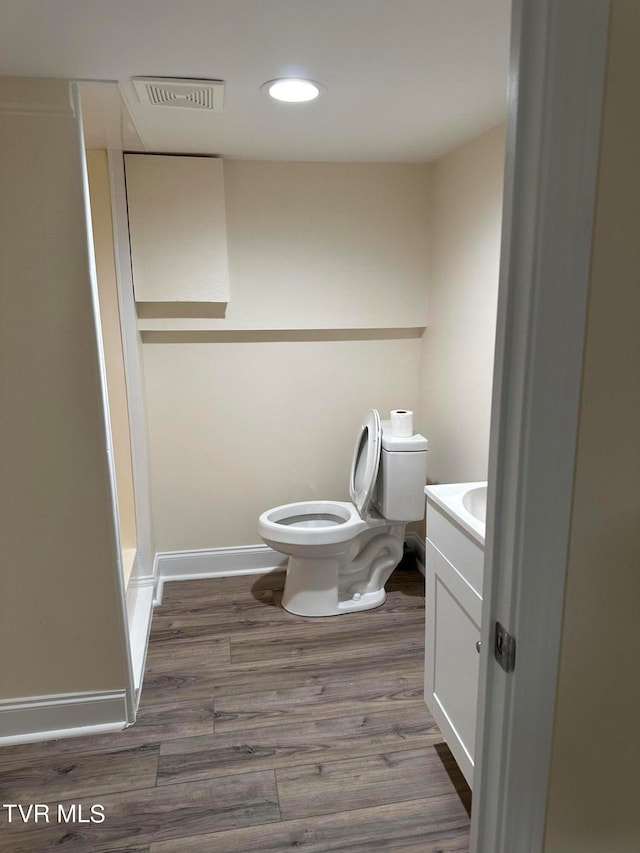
(453, 568)
(177, 228)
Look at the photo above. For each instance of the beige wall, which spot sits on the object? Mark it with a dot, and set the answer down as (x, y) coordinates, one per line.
(595, 768)
(458, 346)
(241, 422)
(239, 427)
(234, 420)
(98, 171)
(323, 246)
(326, 245)
(60, 622)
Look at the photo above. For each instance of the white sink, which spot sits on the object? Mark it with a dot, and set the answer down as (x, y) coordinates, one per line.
(475, 502)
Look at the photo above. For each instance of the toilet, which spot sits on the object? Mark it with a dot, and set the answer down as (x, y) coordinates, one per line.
(342, 553)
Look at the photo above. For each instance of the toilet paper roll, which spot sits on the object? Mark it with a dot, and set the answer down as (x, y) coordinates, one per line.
(402, 423)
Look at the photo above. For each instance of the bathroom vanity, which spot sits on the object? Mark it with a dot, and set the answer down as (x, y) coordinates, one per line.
(454, 571)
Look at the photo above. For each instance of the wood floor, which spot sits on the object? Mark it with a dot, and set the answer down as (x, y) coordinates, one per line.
(258, 731)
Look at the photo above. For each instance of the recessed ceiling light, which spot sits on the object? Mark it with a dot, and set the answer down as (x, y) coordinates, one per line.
(293, 90)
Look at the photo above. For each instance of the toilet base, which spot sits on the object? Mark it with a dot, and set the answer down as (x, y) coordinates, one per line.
(366, 601)
(311, 589)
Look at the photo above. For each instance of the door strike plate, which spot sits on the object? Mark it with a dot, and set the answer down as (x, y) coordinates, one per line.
(504, 648)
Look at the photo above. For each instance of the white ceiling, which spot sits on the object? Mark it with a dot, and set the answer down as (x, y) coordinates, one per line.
(406, 80)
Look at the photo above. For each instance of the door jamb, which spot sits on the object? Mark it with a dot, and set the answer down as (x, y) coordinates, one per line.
(556, 86)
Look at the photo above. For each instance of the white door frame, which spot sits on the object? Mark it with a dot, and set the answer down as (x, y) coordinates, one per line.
(555, 101)
(125, 640)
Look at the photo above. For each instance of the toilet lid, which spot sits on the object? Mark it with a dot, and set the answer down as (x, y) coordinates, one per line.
(366, 460)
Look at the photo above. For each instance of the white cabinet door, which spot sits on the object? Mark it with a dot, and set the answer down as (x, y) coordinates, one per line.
(177, 227)
(451, 656)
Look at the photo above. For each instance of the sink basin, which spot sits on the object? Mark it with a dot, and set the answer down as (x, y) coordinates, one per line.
(475, 502)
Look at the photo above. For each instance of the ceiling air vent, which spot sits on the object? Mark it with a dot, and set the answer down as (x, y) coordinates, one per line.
(173, 92)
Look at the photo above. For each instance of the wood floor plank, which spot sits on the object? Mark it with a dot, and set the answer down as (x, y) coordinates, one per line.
(219, 616)
(262, 675)
(353, 783)
(434, 825)
(263, 624)
(177, 591)
(153, 724)
(183, 671)
(216, 603)
(408, 580)
(204, 609)
(185, 657)
(339, 640)
(164, 688)
(458, 781)
(31, 780)
(134, 819)
(180, 596)
(203, 620)
(389, 691)
(298, 743)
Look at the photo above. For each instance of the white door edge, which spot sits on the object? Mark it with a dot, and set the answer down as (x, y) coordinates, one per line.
(555, 101)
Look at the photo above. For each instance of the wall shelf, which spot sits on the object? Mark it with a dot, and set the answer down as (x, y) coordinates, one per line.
(202, 334)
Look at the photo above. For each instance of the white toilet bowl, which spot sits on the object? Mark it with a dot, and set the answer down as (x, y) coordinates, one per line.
(341, 554)
(323, 540)
(311, 528)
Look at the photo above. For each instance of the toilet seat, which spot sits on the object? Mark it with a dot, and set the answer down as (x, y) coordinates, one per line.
(311, 522)
(332, 522)
(365, 463)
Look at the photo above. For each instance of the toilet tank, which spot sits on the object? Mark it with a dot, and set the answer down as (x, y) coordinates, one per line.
(402, 477)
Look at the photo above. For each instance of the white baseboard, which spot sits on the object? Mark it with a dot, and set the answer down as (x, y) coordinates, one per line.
(140, 593)
(215, 563)
(67, 715)
(416, 543)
